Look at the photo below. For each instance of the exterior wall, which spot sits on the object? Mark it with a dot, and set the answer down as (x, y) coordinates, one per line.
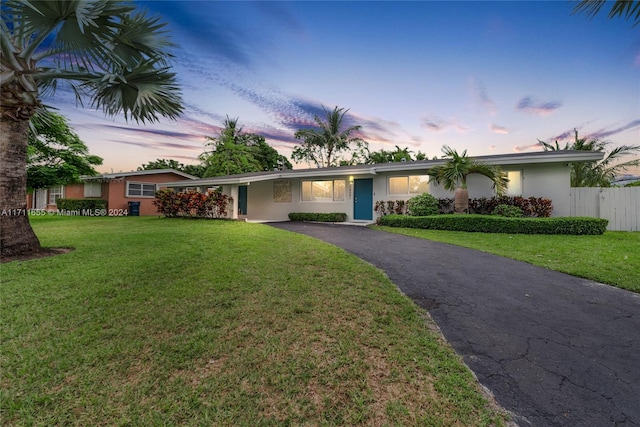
(117, 192)
(548, 181)
(262, 207)
(114, 191)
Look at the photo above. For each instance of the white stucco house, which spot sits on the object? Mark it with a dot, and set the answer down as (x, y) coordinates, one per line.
(354, 190)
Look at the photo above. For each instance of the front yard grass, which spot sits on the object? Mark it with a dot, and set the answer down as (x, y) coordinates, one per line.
(612, 258)
(193, 322)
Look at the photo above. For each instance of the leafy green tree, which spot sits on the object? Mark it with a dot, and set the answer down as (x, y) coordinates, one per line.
(323, 145)
(236, 152)
(627, 9)
(195, 170)
(453, 176)
(397, 155)
(601, 173)
(104, 50)
(56, 155)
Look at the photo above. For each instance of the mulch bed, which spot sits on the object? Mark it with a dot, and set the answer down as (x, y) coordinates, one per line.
(42, 253)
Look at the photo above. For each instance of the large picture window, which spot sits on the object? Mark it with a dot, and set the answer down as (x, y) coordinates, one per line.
(139, 189)
(403, 185)
(514, 188)
(323, 191)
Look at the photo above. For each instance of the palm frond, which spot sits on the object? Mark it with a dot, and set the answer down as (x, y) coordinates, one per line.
(140, 94)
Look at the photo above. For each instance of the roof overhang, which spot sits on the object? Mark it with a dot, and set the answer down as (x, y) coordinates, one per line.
(543, 157)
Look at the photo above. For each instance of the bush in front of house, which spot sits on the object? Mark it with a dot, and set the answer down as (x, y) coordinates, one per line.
(81, 205)
(498, 224)
(508, 211)
(423, 205)
(318, 217)
(388, 207)
(192, 204)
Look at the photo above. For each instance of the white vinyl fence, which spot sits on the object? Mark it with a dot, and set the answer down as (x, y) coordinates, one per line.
(621, 206)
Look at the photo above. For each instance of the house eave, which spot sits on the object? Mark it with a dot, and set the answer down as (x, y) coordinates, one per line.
(543, 157)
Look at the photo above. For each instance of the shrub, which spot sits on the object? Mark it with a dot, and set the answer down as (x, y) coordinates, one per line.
(423, 205)
(318, 217)
(387, 207)
(508, 211)
(82, 205)
(192, 204)
(497, 224)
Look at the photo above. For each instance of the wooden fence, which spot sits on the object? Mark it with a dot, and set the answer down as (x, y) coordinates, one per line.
(621, 206)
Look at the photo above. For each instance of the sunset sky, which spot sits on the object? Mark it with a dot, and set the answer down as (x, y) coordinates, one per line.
(488, 77)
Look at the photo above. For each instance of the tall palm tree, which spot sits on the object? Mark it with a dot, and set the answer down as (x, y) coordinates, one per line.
(601, 173)
(453, 176)
(322, 145)
(104, 50)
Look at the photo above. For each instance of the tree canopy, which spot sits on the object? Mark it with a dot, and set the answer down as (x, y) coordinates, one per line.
(195, 170)
(603, 172)
(235, 152)
(397, 155)
(324, 145)
(56, 155)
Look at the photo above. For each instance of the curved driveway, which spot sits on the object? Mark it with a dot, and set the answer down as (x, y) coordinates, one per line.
(555, 350)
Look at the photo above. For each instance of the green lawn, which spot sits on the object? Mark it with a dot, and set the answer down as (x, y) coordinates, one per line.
(612, 258)
(193, 322)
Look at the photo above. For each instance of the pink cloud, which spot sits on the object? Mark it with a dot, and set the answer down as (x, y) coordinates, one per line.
(499, 129)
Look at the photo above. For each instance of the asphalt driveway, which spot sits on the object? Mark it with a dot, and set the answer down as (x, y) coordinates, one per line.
(555, 350)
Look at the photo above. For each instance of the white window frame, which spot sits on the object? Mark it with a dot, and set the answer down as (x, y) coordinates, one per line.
(92, 189)
(55, 193)
(408, 181)
(336, 197)
(142, 189)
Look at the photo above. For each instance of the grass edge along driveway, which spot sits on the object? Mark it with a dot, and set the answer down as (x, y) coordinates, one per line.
(185, 322)
(612, 258)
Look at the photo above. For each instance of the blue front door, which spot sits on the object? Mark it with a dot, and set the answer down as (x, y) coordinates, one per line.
(242, 200)
(363, 199)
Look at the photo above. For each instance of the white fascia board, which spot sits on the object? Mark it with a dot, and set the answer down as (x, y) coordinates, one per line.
(538, 158)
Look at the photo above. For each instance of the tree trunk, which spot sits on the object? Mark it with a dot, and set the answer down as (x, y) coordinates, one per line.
(16, 235)
(461, 200)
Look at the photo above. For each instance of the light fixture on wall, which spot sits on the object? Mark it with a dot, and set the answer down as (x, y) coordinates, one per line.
(351, 180)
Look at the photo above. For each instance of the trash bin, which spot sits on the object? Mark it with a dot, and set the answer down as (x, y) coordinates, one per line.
(134, 208)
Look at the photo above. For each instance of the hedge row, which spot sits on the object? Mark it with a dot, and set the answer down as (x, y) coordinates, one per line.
(497, 224)
(318, 217)
(530, 206)
(82, 205)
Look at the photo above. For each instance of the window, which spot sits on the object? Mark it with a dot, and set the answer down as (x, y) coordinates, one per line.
(55, 193)
(415, 184)
(514, 188)
(139, 189)
(323, 191)
(282, 191)
(92, 189)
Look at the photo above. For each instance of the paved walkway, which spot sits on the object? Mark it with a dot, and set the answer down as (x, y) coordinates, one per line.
(555, 350)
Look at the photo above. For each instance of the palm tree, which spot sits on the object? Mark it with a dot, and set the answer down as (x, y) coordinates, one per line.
(323, 144)
(453, 176)
(601, 173)
(104, 50)
(627, 9)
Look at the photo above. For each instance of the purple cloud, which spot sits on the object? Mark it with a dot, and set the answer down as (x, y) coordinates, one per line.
(532, 106)
(482, 98)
